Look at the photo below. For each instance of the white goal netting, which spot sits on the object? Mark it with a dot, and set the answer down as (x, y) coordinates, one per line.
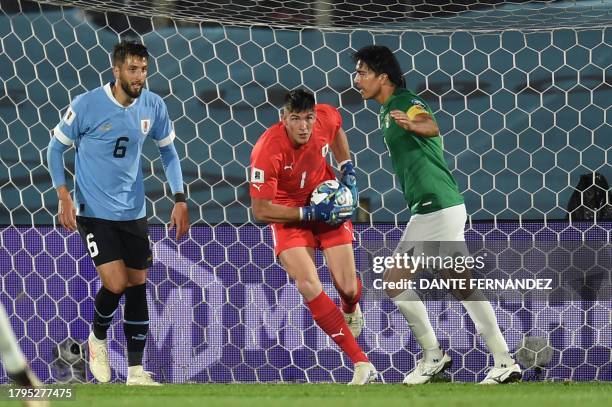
(521, 93)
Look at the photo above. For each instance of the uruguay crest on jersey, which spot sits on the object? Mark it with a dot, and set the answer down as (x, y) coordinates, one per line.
(145, 125)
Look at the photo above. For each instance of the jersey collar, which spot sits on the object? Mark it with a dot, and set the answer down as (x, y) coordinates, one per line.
(109, 93)
(395, 93)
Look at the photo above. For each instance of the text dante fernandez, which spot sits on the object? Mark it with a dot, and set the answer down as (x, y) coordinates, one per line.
(462, 284)
(487, 284)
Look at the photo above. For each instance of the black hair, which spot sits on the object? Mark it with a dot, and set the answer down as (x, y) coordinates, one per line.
(381, 60)
(299, 100)
(127, 47)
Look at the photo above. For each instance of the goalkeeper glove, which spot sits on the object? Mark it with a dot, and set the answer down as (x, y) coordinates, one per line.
(349, 179)
(327, 211)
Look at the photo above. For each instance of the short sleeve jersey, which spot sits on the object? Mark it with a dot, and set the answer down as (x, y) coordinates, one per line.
(418, 161)
(286, 174)
(108, 138)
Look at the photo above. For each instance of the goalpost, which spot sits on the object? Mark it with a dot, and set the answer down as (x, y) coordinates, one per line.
(520, 90)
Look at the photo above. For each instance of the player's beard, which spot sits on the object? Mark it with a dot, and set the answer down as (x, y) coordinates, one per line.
(125, 85)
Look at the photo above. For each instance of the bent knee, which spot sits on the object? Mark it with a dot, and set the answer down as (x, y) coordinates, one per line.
(349, 290)
(116, 287)
(309, 288)
(134, 280)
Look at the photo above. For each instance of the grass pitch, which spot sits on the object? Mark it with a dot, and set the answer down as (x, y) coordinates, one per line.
(322, 395)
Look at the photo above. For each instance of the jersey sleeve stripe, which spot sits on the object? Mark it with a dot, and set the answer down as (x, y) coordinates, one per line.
(166, 140)
(61, 137)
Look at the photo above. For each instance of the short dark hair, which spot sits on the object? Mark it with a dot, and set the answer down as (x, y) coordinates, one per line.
(381, 60)
(299, 100)
(128, 47)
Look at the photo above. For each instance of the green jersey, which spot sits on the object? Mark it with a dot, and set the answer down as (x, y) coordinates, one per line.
(418, 161)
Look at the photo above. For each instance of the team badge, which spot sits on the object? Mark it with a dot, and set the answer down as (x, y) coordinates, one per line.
(325, 150)
(257, 175)
(145, 125)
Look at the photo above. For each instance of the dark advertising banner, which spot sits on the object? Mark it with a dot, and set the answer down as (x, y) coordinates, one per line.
(222, 310)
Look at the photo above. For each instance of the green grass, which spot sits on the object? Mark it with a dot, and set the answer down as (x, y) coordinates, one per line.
(336, 395)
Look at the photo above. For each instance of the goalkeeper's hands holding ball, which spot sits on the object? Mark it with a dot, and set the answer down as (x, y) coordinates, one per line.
(328, 211)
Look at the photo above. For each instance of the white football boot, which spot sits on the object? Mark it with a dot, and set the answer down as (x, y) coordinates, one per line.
(426, 370)
(137, 376)
(503, 374)
(98, 359)
(364, 373)
(354, 321)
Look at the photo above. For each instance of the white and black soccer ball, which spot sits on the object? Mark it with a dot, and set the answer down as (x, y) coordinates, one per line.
(327, 188)
(535, 351)
(68, 365)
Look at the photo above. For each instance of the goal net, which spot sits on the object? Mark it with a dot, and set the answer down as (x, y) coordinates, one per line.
(521, 93)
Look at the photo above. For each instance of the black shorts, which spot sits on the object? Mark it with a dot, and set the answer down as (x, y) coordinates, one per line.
(108, 240)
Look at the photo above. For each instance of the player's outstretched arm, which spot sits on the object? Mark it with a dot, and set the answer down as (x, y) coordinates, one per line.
(55, 161)
(172, 167)
(422, 124)
(340, 149)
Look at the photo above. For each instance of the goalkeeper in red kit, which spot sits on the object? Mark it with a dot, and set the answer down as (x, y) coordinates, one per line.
(287, 163)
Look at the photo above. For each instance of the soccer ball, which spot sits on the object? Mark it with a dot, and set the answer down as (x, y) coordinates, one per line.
(328, 188)
(68, 365)
(534, 352)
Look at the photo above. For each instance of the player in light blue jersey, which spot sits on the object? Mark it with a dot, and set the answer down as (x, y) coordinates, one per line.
(108, 127)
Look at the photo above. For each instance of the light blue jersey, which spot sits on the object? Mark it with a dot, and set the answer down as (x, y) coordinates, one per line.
(108, 138)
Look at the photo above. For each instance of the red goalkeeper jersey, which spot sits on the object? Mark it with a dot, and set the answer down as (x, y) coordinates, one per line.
(286, 174)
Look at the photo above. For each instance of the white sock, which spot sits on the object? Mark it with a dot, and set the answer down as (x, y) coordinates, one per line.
(12, 357)
(412, 308)
(482, 314)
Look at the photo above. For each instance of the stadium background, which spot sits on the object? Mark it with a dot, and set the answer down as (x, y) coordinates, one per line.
(522, 110)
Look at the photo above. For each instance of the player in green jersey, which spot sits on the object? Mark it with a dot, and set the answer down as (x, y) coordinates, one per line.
(438, 212)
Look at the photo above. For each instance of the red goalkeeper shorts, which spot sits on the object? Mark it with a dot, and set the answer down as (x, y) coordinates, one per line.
(318, 235)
